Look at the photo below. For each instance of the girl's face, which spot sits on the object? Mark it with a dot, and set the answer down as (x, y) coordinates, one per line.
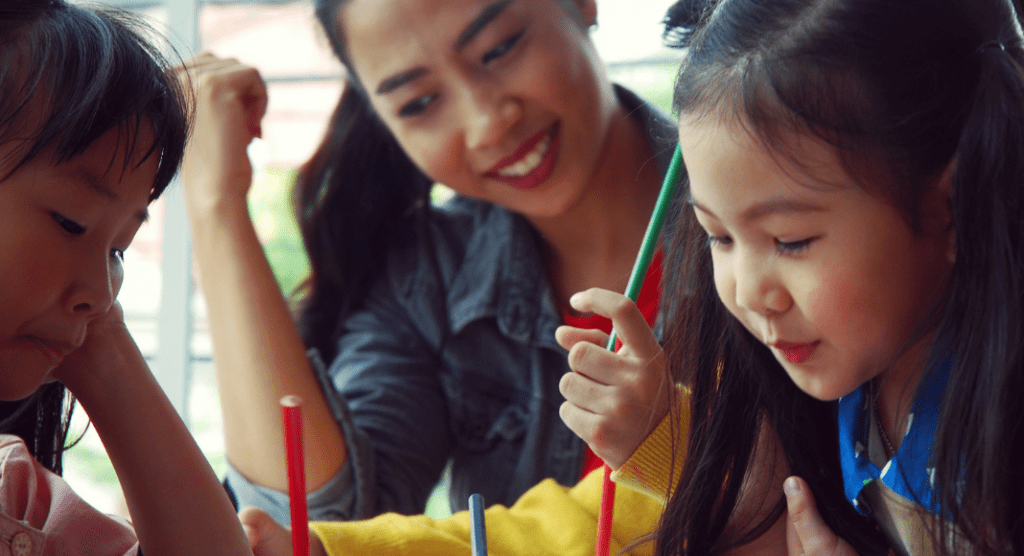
(829, 276)
(502, 100)
(65, 228)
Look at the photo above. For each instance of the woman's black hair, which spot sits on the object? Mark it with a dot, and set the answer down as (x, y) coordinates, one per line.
(357, 196)
(68, 75)
(906, 91)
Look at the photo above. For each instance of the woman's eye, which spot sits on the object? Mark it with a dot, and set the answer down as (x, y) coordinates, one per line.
(719, 241)
(792, 247)
(70, 226)
(502, 48)
(117, 254)
(416, 107)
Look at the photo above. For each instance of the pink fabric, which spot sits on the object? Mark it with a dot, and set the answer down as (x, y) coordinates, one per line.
(41, 516)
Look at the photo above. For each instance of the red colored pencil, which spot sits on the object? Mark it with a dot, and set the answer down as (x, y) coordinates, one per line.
(291, 412)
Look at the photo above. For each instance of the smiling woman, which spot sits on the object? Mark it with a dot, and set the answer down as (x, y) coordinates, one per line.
(437, 323)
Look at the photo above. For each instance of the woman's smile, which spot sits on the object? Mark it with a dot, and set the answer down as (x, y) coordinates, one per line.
(532, 163)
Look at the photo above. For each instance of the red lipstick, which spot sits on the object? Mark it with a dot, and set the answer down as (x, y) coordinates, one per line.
(531, 163)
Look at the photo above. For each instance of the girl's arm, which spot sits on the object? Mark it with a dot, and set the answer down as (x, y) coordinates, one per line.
(177, 505)
(258, 353)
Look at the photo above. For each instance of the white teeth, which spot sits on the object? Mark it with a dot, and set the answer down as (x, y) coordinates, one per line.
(529, 162)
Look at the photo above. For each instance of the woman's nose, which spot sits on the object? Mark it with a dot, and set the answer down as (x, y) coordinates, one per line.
(489, 114)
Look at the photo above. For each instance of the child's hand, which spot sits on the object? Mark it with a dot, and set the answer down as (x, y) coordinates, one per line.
(806, 533)
(82, 370)
(613, 400)
(268, 538)
(230, 101)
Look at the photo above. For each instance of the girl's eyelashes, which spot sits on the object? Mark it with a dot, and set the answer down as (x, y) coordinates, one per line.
(417, 107)
(792, 247)
(70, 226)
(502, 48)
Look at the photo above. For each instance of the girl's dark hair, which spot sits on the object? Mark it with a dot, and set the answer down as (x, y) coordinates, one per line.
(905, 90)
(68, 75)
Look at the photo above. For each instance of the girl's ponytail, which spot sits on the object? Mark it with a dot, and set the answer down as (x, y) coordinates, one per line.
(982, 427)
(358, 196)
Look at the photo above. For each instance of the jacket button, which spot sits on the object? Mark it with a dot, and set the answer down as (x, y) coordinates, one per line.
(21, 545)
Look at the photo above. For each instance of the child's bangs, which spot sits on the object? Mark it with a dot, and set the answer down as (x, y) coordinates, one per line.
(779, 100)
(88, 73)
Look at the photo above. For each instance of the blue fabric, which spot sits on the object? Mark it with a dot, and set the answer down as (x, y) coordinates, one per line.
(453, 357)
(910, 472)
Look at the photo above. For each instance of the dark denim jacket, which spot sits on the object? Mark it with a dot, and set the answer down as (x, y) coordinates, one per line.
(453, 357)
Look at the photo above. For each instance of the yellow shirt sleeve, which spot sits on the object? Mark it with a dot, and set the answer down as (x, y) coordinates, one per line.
(549, 519)
(651, 469)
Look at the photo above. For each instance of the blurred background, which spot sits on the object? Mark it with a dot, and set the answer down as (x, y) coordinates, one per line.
(164, 309)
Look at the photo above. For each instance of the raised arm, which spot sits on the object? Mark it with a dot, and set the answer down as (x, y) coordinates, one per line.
(152, 451)
(258, 353)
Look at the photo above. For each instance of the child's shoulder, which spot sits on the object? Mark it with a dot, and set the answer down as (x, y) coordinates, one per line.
(39, 508)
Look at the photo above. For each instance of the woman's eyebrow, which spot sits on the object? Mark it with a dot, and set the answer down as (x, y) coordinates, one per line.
(487, 15)
(396, 81)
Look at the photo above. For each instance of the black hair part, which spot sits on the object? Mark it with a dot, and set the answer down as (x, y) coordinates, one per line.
(68, 75)
(905, 91)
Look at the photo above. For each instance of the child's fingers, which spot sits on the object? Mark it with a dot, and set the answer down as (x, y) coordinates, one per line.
(583, 423)
(586, 393)
(630, 325)
(568, 336)
(266, 536)
(599, 364)
(807, 534)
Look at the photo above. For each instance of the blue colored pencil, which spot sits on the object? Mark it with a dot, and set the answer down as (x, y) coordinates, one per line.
(477, 530)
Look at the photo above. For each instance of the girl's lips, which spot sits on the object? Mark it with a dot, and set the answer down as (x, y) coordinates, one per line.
(53, 354)
(797, 353)
(544, 146)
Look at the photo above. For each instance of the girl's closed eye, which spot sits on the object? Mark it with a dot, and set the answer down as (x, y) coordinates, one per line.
(793, 247)
(502, 48)
(70, 226)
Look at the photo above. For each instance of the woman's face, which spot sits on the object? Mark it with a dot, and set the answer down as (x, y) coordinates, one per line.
(829, 276)
(64, 230)
(501, 100)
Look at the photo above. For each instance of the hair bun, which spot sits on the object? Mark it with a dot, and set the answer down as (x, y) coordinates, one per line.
(682, 20)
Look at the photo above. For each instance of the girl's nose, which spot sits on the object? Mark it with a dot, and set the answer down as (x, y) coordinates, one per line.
(758, 288)
(488, 116)
(94, 288)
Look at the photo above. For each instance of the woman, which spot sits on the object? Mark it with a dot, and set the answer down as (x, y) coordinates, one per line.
(438, 323)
